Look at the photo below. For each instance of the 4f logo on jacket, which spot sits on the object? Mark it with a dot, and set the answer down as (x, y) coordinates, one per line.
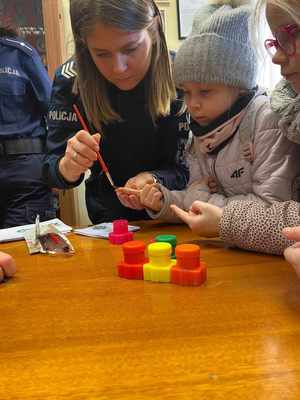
(238, 173)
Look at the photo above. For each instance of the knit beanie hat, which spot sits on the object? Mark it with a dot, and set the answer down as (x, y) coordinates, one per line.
(218, 49)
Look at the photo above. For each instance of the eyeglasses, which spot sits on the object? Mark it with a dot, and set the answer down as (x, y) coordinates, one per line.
(284, 40)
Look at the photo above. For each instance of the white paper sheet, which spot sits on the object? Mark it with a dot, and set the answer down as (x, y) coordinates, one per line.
(101, 230)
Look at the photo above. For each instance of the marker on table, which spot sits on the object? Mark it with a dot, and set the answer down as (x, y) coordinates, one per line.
(99, 157)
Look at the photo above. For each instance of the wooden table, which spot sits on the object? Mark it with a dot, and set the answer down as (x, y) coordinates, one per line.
(71, 329)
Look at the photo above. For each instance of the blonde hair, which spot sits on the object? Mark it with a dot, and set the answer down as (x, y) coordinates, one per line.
(130, 16)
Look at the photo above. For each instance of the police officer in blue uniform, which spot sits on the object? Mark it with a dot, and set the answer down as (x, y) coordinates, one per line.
(24, 97)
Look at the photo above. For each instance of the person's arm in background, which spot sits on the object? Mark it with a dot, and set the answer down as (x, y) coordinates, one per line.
(7, 266)
(258, 226)
(39, 79)
(249, 225)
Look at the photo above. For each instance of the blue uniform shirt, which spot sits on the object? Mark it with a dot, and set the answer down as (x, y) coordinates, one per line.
(25, 90)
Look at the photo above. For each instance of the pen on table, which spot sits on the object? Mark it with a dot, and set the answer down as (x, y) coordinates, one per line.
(99, 157)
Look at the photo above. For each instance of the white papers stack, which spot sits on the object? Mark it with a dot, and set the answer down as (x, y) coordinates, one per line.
(17, 233)
(101, 230)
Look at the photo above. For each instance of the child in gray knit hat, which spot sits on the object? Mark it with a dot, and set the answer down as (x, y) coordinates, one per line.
(237, 148)
(218, 49)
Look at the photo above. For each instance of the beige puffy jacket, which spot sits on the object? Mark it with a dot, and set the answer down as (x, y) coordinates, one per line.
(269, 177)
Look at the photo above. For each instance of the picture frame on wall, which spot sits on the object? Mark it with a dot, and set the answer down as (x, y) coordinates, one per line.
(186, 10)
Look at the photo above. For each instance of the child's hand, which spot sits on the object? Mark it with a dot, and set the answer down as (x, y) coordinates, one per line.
(151, 197)
(202, 218)
(129, 195)
(292, 253)
(139, 181)
(130, 198)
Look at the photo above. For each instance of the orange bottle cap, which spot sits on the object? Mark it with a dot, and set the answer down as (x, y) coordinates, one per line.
(187, 250)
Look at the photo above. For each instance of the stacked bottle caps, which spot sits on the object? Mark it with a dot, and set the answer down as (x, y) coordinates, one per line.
(186, 269)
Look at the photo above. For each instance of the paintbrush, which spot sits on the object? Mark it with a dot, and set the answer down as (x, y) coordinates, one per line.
(99, 157)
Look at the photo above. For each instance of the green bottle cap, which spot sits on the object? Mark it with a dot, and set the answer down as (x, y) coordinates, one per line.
(167, 239)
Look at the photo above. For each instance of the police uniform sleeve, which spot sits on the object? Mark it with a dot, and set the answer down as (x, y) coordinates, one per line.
(39, 79)
(173, 130)
(62, 125)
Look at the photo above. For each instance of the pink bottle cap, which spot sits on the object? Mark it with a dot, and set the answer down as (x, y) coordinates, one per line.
(120, 233)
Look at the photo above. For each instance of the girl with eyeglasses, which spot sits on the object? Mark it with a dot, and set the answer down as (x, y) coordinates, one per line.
(120, 79)
(251, 225)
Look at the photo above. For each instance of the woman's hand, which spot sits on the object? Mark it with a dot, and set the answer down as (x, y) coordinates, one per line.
(292, 253)
(202, 218)
(81, 153)
(129, 195)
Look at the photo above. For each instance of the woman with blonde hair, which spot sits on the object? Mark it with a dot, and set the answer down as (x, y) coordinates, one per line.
(121, 80)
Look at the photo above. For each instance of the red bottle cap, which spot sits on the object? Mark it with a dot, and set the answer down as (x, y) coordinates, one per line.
(134, 258)
(134, 252)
